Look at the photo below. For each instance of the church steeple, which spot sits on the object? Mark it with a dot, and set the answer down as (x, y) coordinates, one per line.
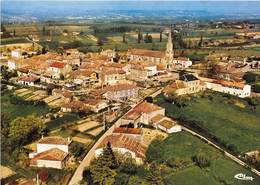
(169, 48)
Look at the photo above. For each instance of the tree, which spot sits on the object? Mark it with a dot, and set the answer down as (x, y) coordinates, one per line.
(122, 179)
(103, 168)
(148, 38)
(87, 176)
(25, 129)
(155, 176)
(124, 39)
(201, 160)
(201, 40)
(76, 149)
(160, 36)
(149, 99)
(100, 42)
(62, 77)
(139, 37)
(43, 31)
(5, 122)
(249, 77)
(134, 180)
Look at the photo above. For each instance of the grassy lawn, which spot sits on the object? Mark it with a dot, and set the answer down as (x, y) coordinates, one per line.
(183, 146)
(233, 124)
(62, 121)
(21, 110)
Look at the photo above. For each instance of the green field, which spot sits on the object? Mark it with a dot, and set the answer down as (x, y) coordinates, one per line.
(231, 123)
(183, 146)
(16, 110)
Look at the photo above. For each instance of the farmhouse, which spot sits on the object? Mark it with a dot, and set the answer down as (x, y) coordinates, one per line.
(28, 80)
(51, 152)
(239, 89)
(124, 145)
(95, 105)
(142, 113)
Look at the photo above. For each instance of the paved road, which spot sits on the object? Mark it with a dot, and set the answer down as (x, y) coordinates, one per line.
(234, 158)
(77, 176)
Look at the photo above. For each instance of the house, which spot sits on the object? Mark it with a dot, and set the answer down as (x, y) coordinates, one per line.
(95, 105)
(65, 95)
(239, 89)
(124, 145)
(121, 92)
(51, 152)
(84, 77)
(58, 68)
(165, 124)
(143, 70)
(146, 55)
(28, 80)
(23, 71)
(111, 76)
(73, 106)
(142, 113)
(135, 133)
(181, 62)
(187, 84)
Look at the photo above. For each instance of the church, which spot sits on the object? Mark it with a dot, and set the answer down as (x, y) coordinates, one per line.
(166, 58)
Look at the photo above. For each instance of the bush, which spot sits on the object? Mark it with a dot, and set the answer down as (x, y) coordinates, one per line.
(201, 160)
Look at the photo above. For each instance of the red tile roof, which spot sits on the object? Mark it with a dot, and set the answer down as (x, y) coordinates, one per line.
(230, 84)
(123, 130)
(29, 78)
(144, 52)
(143, 107)
(120, 87)
(53, 154)
(57, 65)
(122, 141)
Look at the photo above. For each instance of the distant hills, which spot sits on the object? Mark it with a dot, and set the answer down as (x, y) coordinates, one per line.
(34, 11)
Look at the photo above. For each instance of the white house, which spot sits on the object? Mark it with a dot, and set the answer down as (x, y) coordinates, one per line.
(51, 152)
(233, 88)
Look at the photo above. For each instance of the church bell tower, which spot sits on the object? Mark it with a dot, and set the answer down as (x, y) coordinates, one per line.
(169, 48)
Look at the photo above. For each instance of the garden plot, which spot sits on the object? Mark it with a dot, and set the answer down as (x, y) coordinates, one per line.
(56, 103)
(20, 91)
(88, 124)
(25, 93)
(95, 132)
(151, 134)
(37, 95)
(82, 140)
(50, 99)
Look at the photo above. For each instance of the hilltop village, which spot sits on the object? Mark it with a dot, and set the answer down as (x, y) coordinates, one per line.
(89, 103)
